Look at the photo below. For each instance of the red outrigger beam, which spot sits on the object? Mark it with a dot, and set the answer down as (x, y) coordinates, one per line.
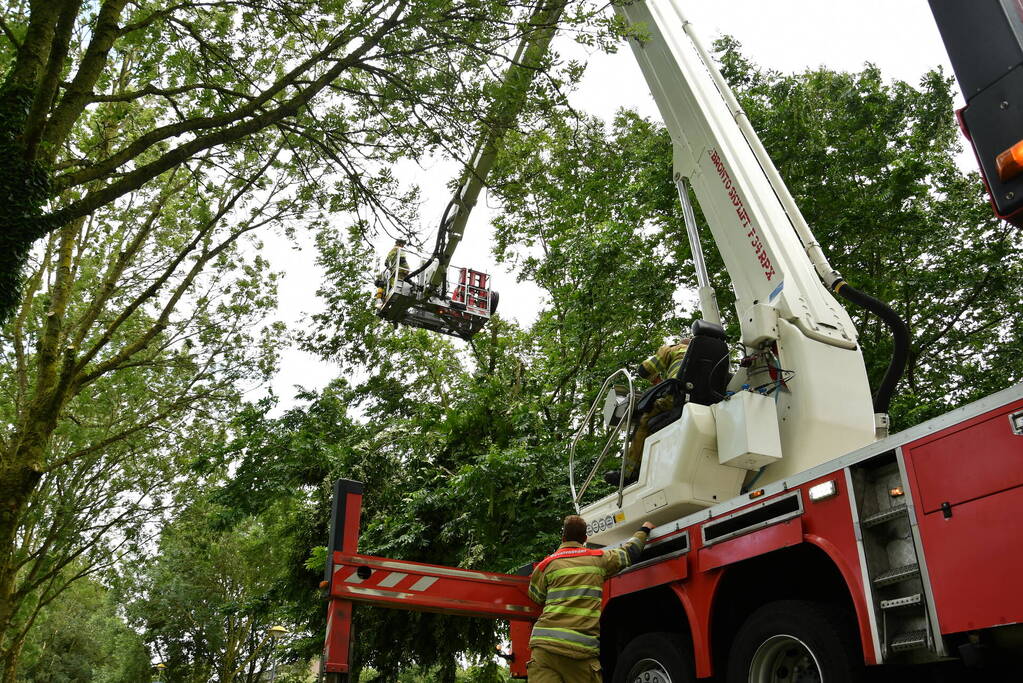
(351, 577)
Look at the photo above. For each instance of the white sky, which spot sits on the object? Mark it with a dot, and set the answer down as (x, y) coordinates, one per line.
(899, 36)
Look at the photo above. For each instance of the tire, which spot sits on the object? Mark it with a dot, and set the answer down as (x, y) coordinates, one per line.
(656, 658)
(795, 641)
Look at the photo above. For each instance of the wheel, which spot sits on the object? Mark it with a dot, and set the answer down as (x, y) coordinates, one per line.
(794, 641)
(656, 658)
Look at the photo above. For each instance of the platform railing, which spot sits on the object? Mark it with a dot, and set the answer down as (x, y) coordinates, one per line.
(623, 425)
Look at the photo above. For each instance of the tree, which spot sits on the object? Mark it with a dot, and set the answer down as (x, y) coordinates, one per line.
(203, 600)
(139, 328)
(350, 83)
(84, 639)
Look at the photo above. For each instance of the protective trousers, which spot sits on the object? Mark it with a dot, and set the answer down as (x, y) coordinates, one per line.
(548, 667)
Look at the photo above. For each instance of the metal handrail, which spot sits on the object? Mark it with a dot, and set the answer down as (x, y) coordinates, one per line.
(625, 422)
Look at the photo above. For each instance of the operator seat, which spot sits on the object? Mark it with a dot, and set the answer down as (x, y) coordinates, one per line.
(702, 377)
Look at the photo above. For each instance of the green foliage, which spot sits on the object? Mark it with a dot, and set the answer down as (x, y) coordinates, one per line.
(82, 637)
(204, 601)
(140, 329)
(100, 99)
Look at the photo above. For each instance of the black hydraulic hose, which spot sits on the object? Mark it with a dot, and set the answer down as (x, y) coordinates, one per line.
(900, 338)
(438, 246)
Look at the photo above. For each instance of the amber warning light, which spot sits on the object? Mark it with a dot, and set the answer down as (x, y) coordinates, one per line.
(1010, 162)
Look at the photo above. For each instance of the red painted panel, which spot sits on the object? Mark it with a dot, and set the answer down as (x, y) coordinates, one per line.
(967, 461)
(432, 588)
(697, 598)
(781, 535)
(828, 525)
(353, 512)
(975, 560)
(339, 633)
(520, 632)
(655, 575)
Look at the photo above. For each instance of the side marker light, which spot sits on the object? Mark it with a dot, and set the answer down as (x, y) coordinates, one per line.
(756, 494)
(823, 491)
(896, 492)
(1010, 162)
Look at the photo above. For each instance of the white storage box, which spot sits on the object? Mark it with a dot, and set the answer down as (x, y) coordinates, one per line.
(747, 431)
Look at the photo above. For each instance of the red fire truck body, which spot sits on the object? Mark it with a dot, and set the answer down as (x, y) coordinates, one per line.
(916, 538)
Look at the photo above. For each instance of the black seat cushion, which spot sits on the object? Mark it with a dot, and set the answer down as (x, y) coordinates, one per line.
(702, 328)
(669, 387)
(701, 378)
(704, 372)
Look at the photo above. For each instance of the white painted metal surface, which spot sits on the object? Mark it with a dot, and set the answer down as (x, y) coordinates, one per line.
(680, 475)
(747, 431)
(768, 250)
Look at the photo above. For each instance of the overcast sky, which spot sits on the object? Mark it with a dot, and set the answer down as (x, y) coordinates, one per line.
(899, 36)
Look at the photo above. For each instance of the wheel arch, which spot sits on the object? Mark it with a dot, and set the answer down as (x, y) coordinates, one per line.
(808, 571)
(656, 609)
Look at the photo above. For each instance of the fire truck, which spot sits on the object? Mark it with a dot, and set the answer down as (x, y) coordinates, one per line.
(796, 539)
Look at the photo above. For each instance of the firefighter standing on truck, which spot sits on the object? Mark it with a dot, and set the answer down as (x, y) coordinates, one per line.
(570, 584)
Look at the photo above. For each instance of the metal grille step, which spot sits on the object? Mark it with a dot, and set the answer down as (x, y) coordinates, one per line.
(911, 640)
(882, 517)
(901, 602)
(903, 573)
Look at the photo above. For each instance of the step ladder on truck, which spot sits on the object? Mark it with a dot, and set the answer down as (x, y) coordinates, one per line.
(796, 539)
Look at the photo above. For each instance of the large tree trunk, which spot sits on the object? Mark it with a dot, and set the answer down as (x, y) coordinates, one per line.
(12, 655)
(22, 465)
(18, 479)
(25, 185)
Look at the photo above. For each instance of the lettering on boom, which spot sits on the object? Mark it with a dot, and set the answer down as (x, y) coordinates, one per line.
(744, 219)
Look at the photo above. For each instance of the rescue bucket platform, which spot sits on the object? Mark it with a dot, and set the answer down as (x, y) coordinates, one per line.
(460, 307)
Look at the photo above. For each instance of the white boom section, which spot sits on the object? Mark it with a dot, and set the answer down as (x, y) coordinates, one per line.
(775, 267)
(762, 252)
(754, 223)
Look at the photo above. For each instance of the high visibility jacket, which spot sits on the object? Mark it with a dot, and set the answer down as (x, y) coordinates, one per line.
(666, 362)
(392, 260)
(570, 586)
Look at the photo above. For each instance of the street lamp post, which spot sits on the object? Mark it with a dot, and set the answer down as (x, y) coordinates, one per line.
(276, 632)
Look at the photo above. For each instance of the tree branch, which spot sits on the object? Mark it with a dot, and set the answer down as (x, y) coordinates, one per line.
(10, 34)
(135, 179)
(47, 88)
(89, 71)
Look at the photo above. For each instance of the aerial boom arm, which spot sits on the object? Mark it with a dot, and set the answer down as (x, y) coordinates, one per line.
(768, 249)
(423, 297)
(778, 271)
(506, 107)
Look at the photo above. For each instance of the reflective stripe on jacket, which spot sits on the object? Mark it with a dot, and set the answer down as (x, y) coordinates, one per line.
(666, 362)
(570, 586)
